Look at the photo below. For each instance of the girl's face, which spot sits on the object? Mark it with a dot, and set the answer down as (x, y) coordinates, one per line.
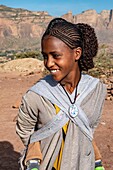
(59, 59)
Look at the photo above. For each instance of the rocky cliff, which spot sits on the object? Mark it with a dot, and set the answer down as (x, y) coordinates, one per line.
(20, 28)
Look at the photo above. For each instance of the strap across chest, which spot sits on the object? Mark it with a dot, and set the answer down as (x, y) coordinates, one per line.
(54, 92)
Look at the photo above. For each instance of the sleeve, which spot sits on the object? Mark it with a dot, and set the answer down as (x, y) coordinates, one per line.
(98, 104)
(27, 116)
(93, 104)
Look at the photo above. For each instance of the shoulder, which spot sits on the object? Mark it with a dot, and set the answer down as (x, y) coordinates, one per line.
(30, 96)
(87, 77)
(92, 80)
(44, 84)
(35, 101)
(30, 100)
(92, 87)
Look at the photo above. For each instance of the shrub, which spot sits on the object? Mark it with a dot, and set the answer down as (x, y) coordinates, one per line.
(30, 54)
(103, 63)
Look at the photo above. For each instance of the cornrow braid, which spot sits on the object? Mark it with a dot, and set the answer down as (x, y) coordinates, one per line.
(65, 31)
(75, 35)
(90, 46)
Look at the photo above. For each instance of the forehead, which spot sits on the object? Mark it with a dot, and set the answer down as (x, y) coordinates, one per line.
(53, 43)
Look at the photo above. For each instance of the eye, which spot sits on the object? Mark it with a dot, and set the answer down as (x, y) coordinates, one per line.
(55, 55)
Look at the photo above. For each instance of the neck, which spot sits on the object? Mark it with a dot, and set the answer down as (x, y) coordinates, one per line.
(70, 85)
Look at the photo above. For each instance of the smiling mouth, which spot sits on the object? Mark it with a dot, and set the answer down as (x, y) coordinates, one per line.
(54, 71)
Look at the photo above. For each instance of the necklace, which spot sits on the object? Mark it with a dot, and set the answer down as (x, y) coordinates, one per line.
(68, 95)
(73, 109)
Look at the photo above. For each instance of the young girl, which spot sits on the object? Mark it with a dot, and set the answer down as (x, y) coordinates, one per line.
(59, 113)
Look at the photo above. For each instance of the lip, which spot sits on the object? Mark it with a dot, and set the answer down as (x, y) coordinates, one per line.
(54, 71)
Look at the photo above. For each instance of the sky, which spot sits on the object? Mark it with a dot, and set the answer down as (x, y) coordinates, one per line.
(60, 7)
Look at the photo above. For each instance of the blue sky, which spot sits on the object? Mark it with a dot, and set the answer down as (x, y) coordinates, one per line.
(60, 7)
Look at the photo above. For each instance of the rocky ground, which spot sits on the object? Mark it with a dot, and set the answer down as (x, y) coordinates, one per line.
(13, 85)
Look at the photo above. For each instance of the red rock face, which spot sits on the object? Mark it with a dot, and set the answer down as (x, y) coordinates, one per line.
(24, 25)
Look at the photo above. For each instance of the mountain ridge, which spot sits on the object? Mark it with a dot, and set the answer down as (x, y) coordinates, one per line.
(22, 28)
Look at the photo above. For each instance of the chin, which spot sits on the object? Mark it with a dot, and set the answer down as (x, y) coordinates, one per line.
(56, 78)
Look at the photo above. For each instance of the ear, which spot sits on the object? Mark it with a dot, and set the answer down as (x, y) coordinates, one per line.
(77, 53)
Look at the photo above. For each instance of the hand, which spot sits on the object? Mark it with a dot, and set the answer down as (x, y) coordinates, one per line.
(32, 165)
(98, 165)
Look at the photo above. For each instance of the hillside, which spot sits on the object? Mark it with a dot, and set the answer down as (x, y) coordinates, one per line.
(21, 28)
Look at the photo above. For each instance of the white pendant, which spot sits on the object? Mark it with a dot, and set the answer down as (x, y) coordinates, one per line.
(73, 110)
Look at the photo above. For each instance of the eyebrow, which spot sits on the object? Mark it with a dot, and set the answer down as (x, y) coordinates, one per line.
(52, 52)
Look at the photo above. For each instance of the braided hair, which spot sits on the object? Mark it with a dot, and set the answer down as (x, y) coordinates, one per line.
(75, 35)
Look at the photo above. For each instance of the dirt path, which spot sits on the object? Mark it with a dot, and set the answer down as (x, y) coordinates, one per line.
(12, 86)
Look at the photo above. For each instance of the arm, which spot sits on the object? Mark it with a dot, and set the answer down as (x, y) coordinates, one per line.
(34, 112)
(101, 93)
(99, 101)
(96, 151)
(27, 117)
(93, 104)
(26, 123)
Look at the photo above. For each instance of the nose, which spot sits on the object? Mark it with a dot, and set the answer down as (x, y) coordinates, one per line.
(49, 62)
